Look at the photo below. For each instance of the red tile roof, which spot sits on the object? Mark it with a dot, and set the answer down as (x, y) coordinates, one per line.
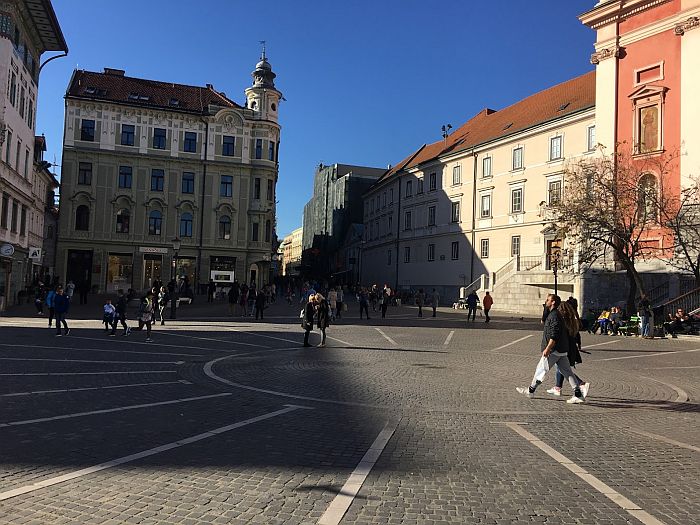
(113, 86)
(550, 104)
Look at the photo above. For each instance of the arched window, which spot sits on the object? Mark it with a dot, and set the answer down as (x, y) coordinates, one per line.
(186, 225)
(155, 222)
(268, 230)
(82, 218)
(647, 198)
(123, 217)
(224, 227)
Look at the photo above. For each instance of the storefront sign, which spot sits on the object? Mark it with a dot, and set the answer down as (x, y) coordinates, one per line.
(35, 253)
(152, 249)
(7, 250)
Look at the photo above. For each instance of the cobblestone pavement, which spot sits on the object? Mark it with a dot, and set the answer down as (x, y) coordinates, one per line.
(402, 420)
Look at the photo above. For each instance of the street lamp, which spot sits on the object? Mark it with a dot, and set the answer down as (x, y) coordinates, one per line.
(173, 275)
(555, 268)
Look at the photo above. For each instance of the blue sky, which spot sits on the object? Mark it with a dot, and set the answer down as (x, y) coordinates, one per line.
(366, 82)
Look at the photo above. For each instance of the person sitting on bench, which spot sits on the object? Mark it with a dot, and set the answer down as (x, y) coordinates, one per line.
(680, 322)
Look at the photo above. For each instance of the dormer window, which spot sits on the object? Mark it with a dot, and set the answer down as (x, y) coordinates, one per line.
(90, 90)
(133, 96)
(174, 102)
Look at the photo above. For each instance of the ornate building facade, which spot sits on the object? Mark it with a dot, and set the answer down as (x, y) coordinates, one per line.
(162, 180)
(27, 31)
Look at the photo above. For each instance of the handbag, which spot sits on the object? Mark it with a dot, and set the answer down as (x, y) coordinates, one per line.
(542, 369)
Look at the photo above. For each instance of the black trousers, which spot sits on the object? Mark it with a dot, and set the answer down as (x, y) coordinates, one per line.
(384, 307)
(366, 310)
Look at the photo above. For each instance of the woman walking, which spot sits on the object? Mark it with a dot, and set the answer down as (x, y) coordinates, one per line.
(146, 312)
(323, 314)
(333, 302)
(307, 320)
(572, 323)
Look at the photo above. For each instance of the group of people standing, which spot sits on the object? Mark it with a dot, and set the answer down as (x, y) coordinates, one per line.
(249, 300)
(318, 309)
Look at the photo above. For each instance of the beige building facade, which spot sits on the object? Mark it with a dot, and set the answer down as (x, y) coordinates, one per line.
(22, 188)
(291, 252)
(472, 209)
(148, 163)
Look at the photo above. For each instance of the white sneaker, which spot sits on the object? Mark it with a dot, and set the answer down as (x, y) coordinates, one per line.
(554, 391)
(584, 388)
(575, 400)
(149, 340)
(525, 391)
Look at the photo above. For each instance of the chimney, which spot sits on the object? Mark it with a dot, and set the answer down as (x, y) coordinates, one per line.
(114, 72)
(210, 86)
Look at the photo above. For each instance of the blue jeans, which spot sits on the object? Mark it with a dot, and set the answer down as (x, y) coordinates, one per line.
(646, 328)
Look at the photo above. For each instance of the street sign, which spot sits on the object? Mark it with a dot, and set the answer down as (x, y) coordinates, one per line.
(35, 253)
(7, 250)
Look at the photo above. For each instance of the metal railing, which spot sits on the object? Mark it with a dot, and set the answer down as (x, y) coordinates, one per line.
(525, 264)
(689, 302)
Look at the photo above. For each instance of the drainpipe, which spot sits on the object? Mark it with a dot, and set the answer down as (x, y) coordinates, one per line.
(398, 231)
(471, 262)
(201, 205)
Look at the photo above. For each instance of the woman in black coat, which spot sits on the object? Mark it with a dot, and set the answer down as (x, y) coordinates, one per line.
(307, 321)
(324, 315)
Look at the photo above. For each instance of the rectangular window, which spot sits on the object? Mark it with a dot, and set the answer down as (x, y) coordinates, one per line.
(515, 245)
(187, 182)
(409, 188)
(455, 212)
(457, 175)
(407, 221)
(87, 130)
(384, 200)
(26, 164)
(258, 148)
(377, 202)
(22, 102)
(157, 180)
(431, 215)
(256, 188)
(19, 149)
(555, 144)
(268, 231)
(389, 224)
(125, 175)
(407, 254)
(419, 190)
(270, 190)
(554, 192)
(8, 147)
(431, 252)
(128, 131)
(486, 206)
(590, 140)
(391, 195)
(190, 145)
(23, 222)
(271, 151)
(433, 181)
(15, 211)
(5, 210)
(85, 173)
(455, 250)
(484, 248)
(516, 200)
(159, 135)
(13, 88)
(388, 257)
(518, 158)
(226, 189)
(228, 146)
(486, 167)
(256, 227)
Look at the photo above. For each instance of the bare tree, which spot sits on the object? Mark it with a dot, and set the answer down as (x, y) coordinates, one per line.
(611, 204)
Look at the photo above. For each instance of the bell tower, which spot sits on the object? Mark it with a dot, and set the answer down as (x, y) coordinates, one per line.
(262, 97)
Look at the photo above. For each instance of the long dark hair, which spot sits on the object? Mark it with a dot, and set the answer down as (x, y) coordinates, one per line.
(570, 318)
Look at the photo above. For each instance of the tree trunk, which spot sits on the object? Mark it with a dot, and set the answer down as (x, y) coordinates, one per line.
(632, 294)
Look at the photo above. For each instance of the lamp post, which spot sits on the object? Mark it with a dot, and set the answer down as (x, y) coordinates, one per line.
(555, 268)
(173, 275)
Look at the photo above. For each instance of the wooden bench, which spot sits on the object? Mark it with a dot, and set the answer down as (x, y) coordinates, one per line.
(631, 327)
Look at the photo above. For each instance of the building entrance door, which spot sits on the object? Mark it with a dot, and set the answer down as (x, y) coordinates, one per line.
(152, 269)
(80, 267)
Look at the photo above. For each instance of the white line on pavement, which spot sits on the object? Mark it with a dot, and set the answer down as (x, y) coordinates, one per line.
(665, 439)
(91, 373)
(97, 350)
(649, 355)
(386, 336)
(341, 503)
(339, 340)
(108, 410)
(682, 395)
(60, 390)
(449, 338)
(90, 361)
(617, 498)
(511, 343)
(150, 452)
(210, 339)
(601, 344)
(258, 334)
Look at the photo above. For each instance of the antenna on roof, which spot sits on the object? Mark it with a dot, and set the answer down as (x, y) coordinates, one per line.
(446, 131)
(262, 56)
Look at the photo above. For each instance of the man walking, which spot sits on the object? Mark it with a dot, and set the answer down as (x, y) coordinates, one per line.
(61, 303)
(472, 301)
(555, 347)
(436, 301)
(487, 303)
(420, 301)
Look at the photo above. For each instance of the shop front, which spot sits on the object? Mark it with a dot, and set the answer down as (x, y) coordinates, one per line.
(185, 271)
(120, 270)
(153, 265)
